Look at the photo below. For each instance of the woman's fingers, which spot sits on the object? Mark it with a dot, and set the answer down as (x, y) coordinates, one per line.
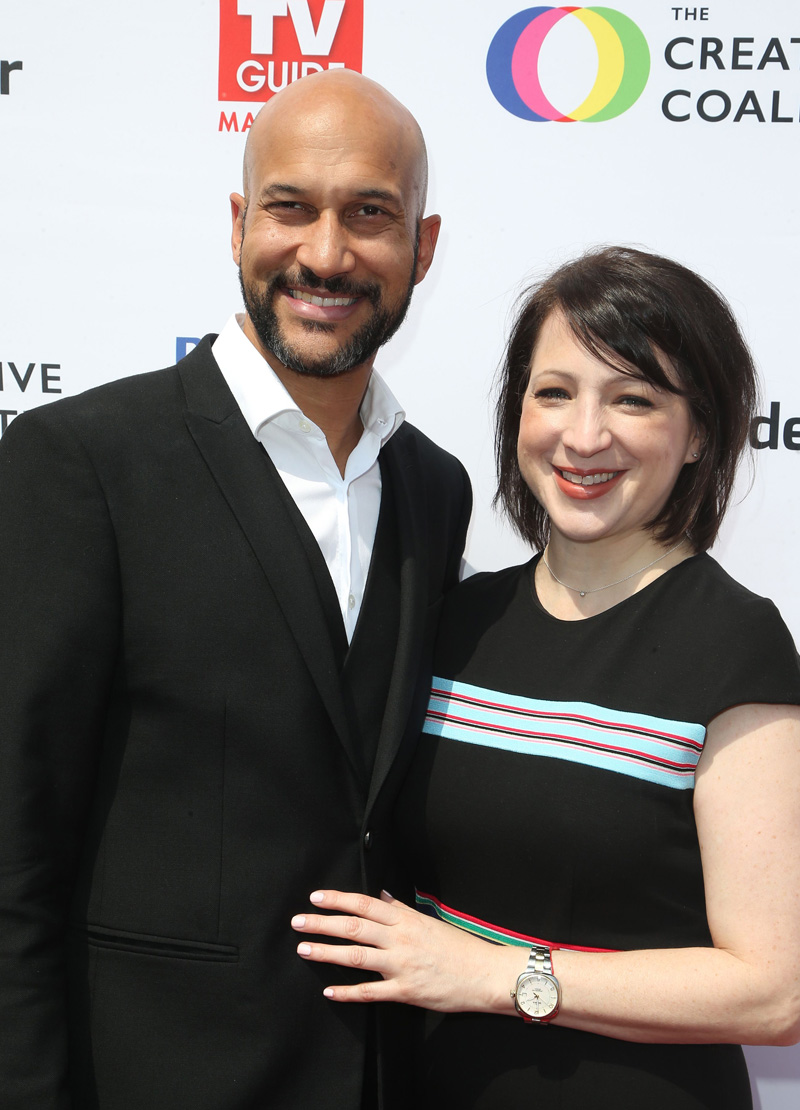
(345, 955)
(358, 918)
(357, 929)
(420, 960)
(377, 990)
(383, 910)
(354, 917)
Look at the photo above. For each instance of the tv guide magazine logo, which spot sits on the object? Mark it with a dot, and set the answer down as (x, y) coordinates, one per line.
(266, 44)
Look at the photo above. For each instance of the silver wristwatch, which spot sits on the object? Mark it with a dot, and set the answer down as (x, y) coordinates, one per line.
(537, 995)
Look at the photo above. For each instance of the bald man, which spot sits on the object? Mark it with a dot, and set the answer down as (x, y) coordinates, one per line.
(220, 589)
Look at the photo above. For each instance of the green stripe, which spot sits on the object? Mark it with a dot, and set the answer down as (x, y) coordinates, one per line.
(494, 935)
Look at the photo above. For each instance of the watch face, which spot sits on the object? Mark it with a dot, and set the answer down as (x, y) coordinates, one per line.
(537, 995)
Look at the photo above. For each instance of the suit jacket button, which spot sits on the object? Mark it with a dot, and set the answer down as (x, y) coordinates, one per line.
(368, 839)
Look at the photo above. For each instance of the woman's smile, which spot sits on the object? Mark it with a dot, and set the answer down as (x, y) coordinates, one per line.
(586, 485)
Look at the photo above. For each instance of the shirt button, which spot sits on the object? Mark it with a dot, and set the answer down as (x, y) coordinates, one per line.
(368, 839)
(304, 426)
(351, 602)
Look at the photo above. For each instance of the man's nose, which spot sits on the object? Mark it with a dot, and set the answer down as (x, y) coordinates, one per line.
(326, 248)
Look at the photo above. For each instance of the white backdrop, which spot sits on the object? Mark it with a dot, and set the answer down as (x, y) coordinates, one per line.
(118, 156)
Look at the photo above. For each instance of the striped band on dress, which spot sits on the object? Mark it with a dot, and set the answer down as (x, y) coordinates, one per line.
(485, 929)
(651, 748)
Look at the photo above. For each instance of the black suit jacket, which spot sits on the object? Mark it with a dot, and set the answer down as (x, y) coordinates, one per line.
(176, 767)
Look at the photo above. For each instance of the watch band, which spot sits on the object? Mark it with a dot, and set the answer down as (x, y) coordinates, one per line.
(540, 958)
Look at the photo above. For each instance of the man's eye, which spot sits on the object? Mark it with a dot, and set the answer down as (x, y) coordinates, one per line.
(370, 211)
(286, 208)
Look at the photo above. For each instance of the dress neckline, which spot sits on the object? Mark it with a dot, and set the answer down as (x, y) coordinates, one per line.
(530, 574)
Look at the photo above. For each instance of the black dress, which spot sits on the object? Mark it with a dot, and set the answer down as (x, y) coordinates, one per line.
(551, 798)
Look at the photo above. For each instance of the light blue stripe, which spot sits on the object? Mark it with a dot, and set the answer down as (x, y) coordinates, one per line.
(610, 740)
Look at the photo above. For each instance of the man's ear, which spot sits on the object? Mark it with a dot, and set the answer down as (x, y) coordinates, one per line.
(238, 207)
(428, 234)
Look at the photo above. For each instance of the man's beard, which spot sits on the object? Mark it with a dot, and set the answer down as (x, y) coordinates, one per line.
(383, 321)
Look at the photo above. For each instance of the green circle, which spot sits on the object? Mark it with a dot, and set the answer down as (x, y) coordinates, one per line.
(637, 65)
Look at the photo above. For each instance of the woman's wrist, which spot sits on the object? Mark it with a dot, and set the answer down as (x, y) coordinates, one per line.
(511, 963)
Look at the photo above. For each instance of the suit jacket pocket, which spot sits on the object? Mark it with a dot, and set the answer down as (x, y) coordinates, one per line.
(145, 944)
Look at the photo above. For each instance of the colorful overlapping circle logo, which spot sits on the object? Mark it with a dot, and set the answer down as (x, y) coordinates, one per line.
(623, 64)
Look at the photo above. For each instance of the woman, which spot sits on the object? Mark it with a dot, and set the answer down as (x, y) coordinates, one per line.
(607, 785)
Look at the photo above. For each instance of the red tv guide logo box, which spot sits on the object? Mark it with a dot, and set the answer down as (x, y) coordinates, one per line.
(266, 44)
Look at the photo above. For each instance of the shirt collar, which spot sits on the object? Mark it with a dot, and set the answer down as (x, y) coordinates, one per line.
(261, 395)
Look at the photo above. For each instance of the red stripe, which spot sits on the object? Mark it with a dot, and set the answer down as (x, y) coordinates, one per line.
(572, 740)
(451, 694)
(510, 932)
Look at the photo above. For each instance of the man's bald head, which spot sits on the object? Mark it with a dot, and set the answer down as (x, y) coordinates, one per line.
(330, 236)
(333, 106)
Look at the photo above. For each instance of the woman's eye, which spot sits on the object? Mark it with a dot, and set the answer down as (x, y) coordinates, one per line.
(553, 393)
(633, 402)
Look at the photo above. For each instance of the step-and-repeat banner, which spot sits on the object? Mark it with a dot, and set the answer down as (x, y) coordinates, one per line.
(122, 128)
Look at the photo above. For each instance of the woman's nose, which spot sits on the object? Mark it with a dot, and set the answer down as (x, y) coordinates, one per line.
(587, 431)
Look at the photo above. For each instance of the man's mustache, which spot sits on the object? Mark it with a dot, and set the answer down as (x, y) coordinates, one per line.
(336, 286)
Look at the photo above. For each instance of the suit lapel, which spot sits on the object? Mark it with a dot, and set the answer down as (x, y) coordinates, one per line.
(400, 455)
(256, 496)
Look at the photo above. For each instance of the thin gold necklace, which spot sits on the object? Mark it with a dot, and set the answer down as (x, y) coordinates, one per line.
(608, 585)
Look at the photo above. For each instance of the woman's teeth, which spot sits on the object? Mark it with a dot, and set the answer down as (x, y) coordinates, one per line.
(588, 479)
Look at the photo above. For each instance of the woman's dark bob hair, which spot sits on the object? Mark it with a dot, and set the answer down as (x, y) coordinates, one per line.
(624, 306)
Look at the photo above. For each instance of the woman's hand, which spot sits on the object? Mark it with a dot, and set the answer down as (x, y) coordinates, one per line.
(744, 990)
(424, 962)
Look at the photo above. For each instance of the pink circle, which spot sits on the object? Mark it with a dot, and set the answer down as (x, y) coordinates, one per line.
(525, 62)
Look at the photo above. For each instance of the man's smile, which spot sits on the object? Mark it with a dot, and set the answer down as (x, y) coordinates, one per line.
(321, 302)
(320, 307)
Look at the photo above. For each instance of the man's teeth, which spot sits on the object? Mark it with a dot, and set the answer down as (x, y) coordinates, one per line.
(321, 302)
(588, 479)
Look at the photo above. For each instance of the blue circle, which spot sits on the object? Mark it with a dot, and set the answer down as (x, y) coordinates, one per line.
(498, 64)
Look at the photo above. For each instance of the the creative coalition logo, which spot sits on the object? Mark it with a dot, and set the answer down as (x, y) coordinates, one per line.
(512, 64)
(266, 44)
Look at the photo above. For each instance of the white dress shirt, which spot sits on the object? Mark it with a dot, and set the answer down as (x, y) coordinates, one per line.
(342, 512)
